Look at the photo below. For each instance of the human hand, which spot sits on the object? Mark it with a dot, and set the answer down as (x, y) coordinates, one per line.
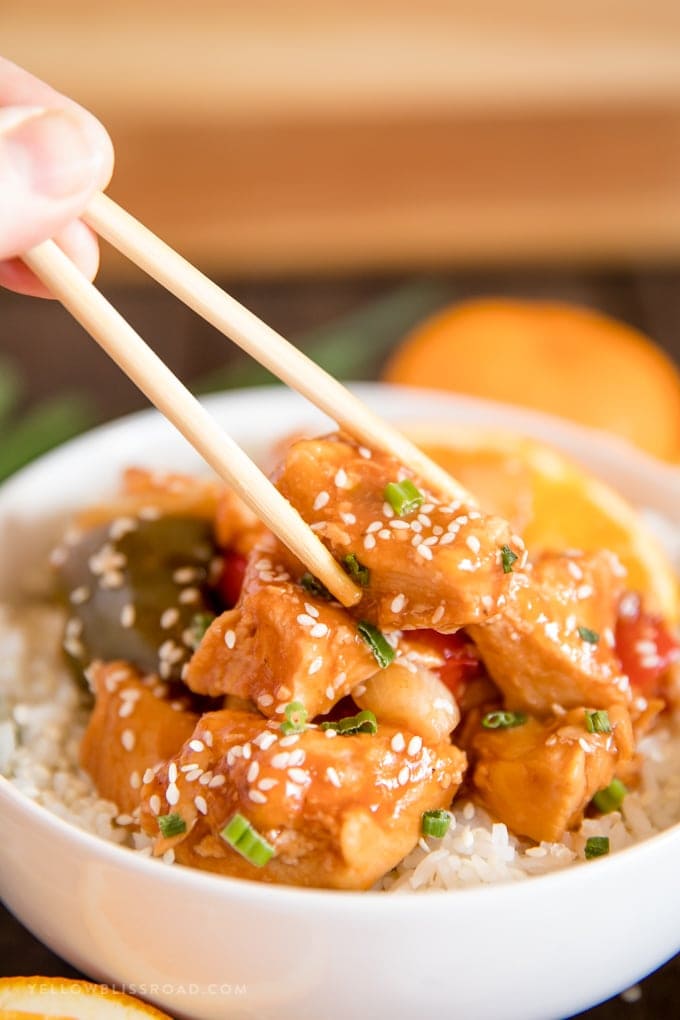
(54, 156)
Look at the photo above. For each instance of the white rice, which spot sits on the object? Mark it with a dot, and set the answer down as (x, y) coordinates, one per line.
(44, 713)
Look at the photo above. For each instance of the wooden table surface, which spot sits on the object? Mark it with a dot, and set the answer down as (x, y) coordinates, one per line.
(54, 355)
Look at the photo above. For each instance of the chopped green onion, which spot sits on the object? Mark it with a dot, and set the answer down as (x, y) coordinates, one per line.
(171, 825)
(508, 557)
(246, 841)
(503, 720)
(611, 798)
(586, 634)
(383, 652)
(404, 497)
(362, 722)
(436, 823)
(314, 586)
(596, 846)
(296, 718)
(356, 570)
(598, 722)
(198, 626)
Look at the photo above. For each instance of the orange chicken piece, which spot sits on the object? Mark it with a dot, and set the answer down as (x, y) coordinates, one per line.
(539, 777)
(134, 727)
(438, 566)
(553, 642)
(281, 644)
(339, 811)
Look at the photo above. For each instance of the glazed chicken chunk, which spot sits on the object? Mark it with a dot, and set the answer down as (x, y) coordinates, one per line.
(136, 724)
(553, 642)
(440, 564)
(281, 644)
(338, 811)
(539, 777)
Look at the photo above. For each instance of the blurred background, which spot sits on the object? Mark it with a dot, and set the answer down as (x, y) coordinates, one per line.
(349, 167)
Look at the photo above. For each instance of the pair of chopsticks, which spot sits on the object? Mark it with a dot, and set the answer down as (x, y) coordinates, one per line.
(105, 324)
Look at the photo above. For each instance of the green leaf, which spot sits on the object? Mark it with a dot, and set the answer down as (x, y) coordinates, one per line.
(42, 428)
(351, 347)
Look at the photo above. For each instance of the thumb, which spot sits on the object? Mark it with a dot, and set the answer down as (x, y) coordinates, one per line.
(51, 162)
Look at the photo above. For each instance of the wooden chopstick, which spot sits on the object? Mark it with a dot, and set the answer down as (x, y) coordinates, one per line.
(107, 326)
(262, 342)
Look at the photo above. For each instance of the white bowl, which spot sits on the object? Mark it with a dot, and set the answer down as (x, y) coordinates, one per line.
(212, 948)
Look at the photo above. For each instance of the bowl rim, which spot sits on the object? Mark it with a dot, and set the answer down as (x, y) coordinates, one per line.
(535, 423)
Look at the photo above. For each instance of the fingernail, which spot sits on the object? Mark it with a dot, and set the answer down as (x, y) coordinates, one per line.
(50, 150)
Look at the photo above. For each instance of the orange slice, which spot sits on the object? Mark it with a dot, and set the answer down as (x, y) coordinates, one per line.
(553, 503)
(565, 360)
(46, 998)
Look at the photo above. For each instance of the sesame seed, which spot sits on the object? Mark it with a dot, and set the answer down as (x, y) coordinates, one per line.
(197, 745)
(404, 775)
(127, 615)
(268, 783)
(230, 638)
(201, 804)
(148, 775)
(447, 539)
(398, 603)
(80, 595)
(466, 565)
(365, 452)
(374, 526)
(155, 804)
(369, 542)
(359, 690)
(172, 772)
(384, 534)
(330, 734)
(416, 527)
(437, 530)
(438, 613)
(127, 739)
(469, 811)
(315, 665)
(305, 620)
(398, 743)
(218, 780)
(206, 778)
(319, 630)
(185, 575)
(585, 746)
(172, 795)
(312, 610)
(135, 780)
(265, 700)
(333, 777)
(280, 709)
(330, 692)
(257, 796)
(253, 771)
(473, 543)
(424, 551)
(293, 790)
(400, 525)
(169, 618)
(425, 520)
(341, 478)
(415, 745)
(348, 518)
(298, 776)
(388, 511)
(321, 500)
(297, 757)
(432, 540)
(288, 741)
(247, 751)
(584, 591)
(265, 740)
(189, 595)
(281, 760)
